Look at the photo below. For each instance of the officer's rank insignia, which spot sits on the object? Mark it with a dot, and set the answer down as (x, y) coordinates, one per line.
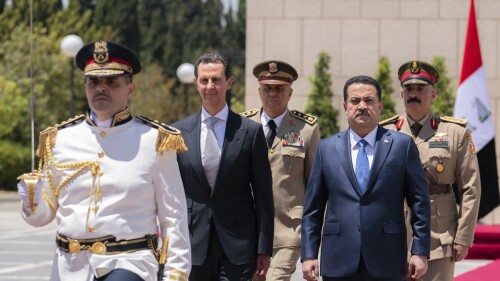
(293, 139)
(101, 54)
(472, 147)
(249, 113)
(415, 68)
(434, 124)
(439, 140)
(273, 67)
(399, 124)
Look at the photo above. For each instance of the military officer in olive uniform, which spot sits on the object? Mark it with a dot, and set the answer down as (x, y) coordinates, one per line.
(111, 181)
(292, 139)
(449, 158)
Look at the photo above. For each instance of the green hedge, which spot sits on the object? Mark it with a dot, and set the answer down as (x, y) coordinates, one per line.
(15, 160)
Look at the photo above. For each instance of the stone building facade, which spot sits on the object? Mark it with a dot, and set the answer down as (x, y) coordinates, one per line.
(357, 32)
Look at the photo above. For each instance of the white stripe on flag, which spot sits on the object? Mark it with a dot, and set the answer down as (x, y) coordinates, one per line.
(473, 104)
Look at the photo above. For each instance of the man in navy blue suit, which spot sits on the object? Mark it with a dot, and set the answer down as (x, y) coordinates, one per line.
(362, 176)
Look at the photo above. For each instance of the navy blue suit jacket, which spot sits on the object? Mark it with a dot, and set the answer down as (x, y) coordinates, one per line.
(241, 202)
(369, 224)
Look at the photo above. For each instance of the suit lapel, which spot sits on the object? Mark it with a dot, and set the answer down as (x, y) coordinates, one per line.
(192, 140)
(383, 145)
(343, 148)
(233, 141)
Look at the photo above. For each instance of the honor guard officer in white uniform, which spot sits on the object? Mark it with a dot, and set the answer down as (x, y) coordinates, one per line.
(111, 181)
(448, 157)
(292, 139)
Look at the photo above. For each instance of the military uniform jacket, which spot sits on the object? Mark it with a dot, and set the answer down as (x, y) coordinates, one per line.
(448, 156)
(291, 158)
(134, 187)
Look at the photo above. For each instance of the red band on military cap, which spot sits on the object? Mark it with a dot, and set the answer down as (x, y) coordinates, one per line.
(110, 60)
(421, 74)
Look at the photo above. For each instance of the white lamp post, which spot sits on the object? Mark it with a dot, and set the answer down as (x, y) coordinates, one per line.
(70, 45)
(185, 73)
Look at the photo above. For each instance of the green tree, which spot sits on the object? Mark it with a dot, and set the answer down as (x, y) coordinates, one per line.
(319, 102)
(123, 17)
(234, 42)
(50, 77)
(383, 76)
(445, 97)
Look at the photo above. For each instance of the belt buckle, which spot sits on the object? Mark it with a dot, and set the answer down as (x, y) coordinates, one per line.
(98, 248)
(74, 246)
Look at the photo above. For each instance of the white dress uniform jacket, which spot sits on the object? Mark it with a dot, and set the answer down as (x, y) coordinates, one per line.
(113, 181)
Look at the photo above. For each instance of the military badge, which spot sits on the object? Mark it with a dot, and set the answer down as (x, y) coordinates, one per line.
(439, 140)
(472, 147)
(434, 124)
(415, 67)
(293, 139)
(101, 54)
(399, 124)
(273, 67)
(439, 167)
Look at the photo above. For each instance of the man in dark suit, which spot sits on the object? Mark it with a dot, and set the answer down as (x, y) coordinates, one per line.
(227, 181)
(362, 176)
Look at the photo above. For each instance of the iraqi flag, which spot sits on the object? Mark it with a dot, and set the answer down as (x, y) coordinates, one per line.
(472, 103)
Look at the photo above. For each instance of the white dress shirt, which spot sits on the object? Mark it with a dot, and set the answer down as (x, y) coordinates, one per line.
(219, 128)
(264, 119)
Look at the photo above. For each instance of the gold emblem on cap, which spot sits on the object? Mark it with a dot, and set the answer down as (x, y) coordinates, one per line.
(101, 54)
(415, 67)
(273, 67)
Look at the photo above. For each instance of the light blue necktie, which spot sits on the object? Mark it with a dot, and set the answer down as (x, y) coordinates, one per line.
(362, 166)
(212, 152)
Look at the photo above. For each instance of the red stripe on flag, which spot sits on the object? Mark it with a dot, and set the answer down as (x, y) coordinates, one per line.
(472, 53)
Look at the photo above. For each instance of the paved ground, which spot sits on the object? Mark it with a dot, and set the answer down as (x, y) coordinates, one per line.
(26, 252)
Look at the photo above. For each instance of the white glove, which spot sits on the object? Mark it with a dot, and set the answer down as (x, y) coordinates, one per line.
(22, 189)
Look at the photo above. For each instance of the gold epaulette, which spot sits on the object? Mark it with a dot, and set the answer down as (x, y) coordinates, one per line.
(49, 134)
(169, 138)
(250, 113)
(308, 118)
(391, 120)
(175, 274)
(449, 119)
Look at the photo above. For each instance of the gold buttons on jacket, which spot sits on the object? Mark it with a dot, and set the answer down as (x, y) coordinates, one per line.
(100, 154)
(74, 246)
(98, 248)
(102, 134)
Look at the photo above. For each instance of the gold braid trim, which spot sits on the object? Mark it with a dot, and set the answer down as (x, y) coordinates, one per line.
(168, 141)
(49, 201)
(46, 139)
(93, 166)
(175, 274)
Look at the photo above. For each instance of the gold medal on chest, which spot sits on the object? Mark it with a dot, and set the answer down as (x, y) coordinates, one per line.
(439, 168)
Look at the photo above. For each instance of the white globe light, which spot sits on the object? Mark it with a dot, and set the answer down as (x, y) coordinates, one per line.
(185, 73)
(71, 44)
